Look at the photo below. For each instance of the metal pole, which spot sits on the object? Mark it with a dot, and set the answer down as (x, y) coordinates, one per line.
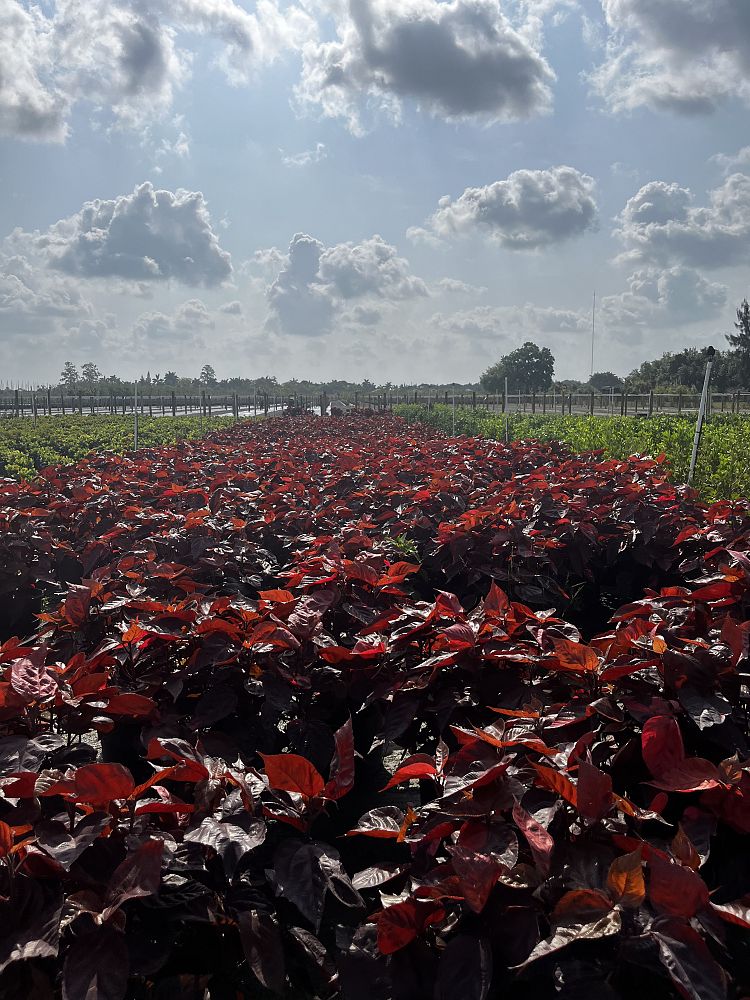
(701, 415)
(454, 409)
(135, 417)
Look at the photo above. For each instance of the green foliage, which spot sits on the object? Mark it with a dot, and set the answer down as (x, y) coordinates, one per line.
(527, 368)
(605, 380)
(741, 340)
(723, 471)
(26, 446)
(686, 370)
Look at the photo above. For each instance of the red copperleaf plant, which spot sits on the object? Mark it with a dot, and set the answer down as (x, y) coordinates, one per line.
(350, 709)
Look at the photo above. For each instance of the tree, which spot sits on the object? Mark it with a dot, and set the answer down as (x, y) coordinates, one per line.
(529, 368)
(69, 375)
(605, 380)
(207, 376)
(90, 374)
(171, 378)
(741, 341)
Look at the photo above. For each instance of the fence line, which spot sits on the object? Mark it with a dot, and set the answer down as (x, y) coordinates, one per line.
(18, 403)
(60, 403)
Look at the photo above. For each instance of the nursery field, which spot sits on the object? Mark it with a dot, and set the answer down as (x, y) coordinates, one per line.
(346, 708)
(723, 470)
(26, 445)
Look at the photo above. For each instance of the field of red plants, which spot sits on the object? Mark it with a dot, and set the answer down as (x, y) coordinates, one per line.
(343, 708)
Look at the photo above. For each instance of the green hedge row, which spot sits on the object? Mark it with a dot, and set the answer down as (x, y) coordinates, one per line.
(27, 445)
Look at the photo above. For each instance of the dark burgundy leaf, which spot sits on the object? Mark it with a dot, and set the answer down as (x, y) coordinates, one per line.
(691, 967)
(138, 875)
(97, 966)
(465, 969)
(341, 780)
(261, 943)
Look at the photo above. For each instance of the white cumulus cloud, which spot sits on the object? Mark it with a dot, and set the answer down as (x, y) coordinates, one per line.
(661, 224)
(529, 210)
(317, 284)
(686, 56)
(149, 235)
(461, 59)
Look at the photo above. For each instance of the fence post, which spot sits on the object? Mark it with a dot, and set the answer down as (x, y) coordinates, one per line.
(591, 405)
(62, 401)
(17, 406)
(533, 400)
(651, 403)
(49, 402)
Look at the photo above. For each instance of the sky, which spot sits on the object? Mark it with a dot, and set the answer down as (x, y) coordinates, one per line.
(399, 190)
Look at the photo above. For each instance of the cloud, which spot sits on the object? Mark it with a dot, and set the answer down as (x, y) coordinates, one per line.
(316, 284)
(126, 59)
(305, 158)
(147, 236)
(231, 308)
(162, 336)
(33, 301)
(675, 55)
(455, 287)
(458, 60)
(29, 108)
(661, 224)
(529, 210)
(512, 322)
(730, 164)
(668, 298)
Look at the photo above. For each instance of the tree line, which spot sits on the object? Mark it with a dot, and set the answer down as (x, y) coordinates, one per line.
(528, 368)
(531, 368)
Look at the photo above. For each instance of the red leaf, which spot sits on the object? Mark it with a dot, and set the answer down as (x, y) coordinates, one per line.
(137, 706)
(292, 773)
(341, 780)
(661, 744)
(99, 784)
(575, 656)
(593, 791)
(625, 882)
(6, 839)
(76, 607)
(30, 678)
(557, 782)
(411, 771)
(690, 775)
(400, 924)
(541, 843)
(675, 890)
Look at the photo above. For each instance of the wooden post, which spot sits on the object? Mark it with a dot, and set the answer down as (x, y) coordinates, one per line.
(17, 403)
(533, 400)
(62, 401)
(544, 402)
(651, 403)
(473, 400)
(570, 404)
(591, 405)
(49, 402)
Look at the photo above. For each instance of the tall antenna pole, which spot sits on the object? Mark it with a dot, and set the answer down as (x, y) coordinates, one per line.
(593, 334)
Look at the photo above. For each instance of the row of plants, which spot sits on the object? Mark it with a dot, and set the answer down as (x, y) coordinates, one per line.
(347, 708)
(27, 445)
(722, 472)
